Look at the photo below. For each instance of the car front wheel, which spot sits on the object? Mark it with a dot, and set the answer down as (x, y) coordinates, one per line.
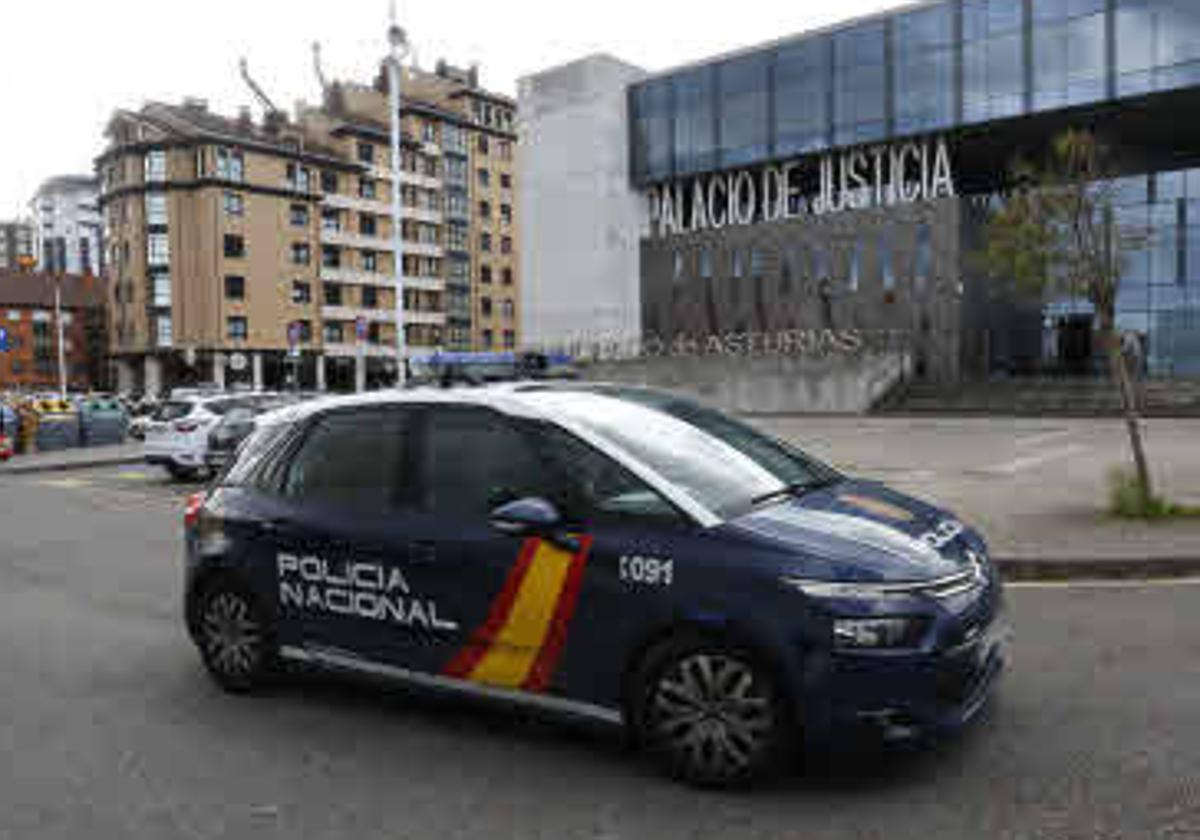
(235, 640)
(711, 713)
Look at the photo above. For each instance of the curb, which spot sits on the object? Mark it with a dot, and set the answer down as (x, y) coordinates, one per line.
(1119, 568)
(66, 466)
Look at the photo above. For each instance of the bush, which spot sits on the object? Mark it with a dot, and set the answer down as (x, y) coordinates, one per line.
(1126, 500)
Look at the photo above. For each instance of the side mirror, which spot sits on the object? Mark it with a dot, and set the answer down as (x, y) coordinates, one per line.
(532, 517)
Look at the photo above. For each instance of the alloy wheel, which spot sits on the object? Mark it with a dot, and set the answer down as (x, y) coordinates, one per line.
(712, 714)
(231, 636)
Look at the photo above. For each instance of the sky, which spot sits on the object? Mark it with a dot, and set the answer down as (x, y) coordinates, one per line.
(66, 66)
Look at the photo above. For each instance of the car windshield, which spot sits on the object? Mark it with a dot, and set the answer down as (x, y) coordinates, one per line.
(723, 464)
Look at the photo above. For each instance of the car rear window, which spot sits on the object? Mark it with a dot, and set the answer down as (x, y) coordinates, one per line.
(174, 410)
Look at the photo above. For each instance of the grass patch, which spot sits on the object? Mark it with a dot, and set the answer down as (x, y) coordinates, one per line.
(1126, 500)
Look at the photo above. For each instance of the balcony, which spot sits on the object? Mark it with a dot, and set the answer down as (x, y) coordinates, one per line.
(416, 179)
(380, 208)
(381, 316)
(354, 277)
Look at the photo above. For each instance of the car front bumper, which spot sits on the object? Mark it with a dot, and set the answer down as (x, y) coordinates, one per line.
(905, 696)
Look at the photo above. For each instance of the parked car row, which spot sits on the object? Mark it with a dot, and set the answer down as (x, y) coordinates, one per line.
(192, 434)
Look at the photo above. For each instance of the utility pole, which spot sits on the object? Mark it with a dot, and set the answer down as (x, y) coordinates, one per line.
(58, 319)
(398, 42)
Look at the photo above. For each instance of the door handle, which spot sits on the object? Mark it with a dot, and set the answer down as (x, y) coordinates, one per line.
(276, 526)
(422, 551)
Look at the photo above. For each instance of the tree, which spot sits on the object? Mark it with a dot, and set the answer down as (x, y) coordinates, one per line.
(1056, 232)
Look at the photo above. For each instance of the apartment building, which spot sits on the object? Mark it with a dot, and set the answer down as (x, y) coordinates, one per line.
(261, 252)
(29, 349)
(66, 225)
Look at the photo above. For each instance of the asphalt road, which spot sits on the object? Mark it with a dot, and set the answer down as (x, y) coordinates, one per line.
(109, 728)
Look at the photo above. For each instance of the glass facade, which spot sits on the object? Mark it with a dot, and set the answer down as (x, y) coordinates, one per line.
(946, 64)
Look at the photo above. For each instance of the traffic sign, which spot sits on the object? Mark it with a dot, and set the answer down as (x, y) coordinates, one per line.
(293, 334)
(3, 340)
(360, 328)
(238, 362)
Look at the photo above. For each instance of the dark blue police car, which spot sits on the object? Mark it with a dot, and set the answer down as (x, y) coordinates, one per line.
(601, 550)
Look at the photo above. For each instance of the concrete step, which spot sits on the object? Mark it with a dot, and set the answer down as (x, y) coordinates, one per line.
(1045, 397)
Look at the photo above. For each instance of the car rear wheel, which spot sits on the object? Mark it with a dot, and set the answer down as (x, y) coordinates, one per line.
(235, 640)
(711, 714)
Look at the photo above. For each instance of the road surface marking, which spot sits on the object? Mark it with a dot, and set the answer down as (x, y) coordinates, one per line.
(1102, 584)
(1045, 437)
(68, 483)
(1017, 465)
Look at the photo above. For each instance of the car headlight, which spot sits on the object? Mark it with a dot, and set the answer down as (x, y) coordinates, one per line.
(889, 632)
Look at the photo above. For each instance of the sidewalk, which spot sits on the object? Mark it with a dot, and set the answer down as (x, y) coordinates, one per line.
(1036, 488)
(73, 459)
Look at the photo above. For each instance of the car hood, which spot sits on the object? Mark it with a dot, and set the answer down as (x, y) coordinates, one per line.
(861, 530)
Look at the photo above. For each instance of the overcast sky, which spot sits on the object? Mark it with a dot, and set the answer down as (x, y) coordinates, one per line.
(66, 64)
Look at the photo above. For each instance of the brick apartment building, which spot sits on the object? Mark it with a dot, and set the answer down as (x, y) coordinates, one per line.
(251, 251)
(27, 318)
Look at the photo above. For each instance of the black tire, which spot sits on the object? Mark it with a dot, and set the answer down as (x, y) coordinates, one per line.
(236, 641)
(179, 473)
(710, 712)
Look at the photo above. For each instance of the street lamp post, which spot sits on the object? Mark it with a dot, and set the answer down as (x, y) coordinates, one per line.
(398, 42)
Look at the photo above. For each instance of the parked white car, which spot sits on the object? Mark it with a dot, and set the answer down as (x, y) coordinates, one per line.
(177, 433)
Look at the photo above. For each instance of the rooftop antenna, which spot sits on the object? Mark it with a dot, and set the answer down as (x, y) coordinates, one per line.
(267, 104)
(316, 49)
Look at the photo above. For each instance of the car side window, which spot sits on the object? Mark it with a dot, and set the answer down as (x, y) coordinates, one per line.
(598, 488)
(351, 459)
(476, 460)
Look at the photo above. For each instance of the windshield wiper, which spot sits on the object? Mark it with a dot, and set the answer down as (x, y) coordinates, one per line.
(794, 488)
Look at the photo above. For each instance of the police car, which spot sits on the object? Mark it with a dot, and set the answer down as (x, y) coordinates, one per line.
(606, 551)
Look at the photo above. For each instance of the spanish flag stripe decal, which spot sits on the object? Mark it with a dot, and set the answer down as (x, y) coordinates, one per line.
(520, 643)
(481, 639)
(556, 638)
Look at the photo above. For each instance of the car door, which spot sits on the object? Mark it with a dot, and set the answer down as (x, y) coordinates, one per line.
(340, 528)
(504, 592)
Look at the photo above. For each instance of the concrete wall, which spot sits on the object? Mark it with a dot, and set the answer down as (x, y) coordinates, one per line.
(579, 239)
(768, 384)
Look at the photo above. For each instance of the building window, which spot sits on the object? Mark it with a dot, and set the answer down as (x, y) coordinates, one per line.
(505, 181)
(156, 166)
(485, 242)
(510, 339)
(737, 265)
(329, 182)
(373, 333)
(235, 327)
(485, 210)
(234, 204)
(164, 335)
(370, 261)
(158, 249)
(886, 270)
(481, 145)
(333, 294)
(333, 332)
(230, 164)
(505, 150)
(331, 256)
(855, 268)
(484, 177)
(706, 263)
(429, 131)
(508, 309)
(487, 339)
(366, 152)
(235, 245)
(506, 276)
(303, 332)
(506, 213)
(331, 220)
(485, 307)
(235, 287)
(485, 274)
(301, 292)
(366, 188)
(505, 244)
(301, 254)
(370, 297)
(156, 209)
(161, 284)
(366, 224)
(298, 215)
(924, 259)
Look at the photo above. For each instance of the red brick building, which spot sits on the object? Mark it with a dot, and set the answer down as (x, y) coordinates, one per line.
(27, 320)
